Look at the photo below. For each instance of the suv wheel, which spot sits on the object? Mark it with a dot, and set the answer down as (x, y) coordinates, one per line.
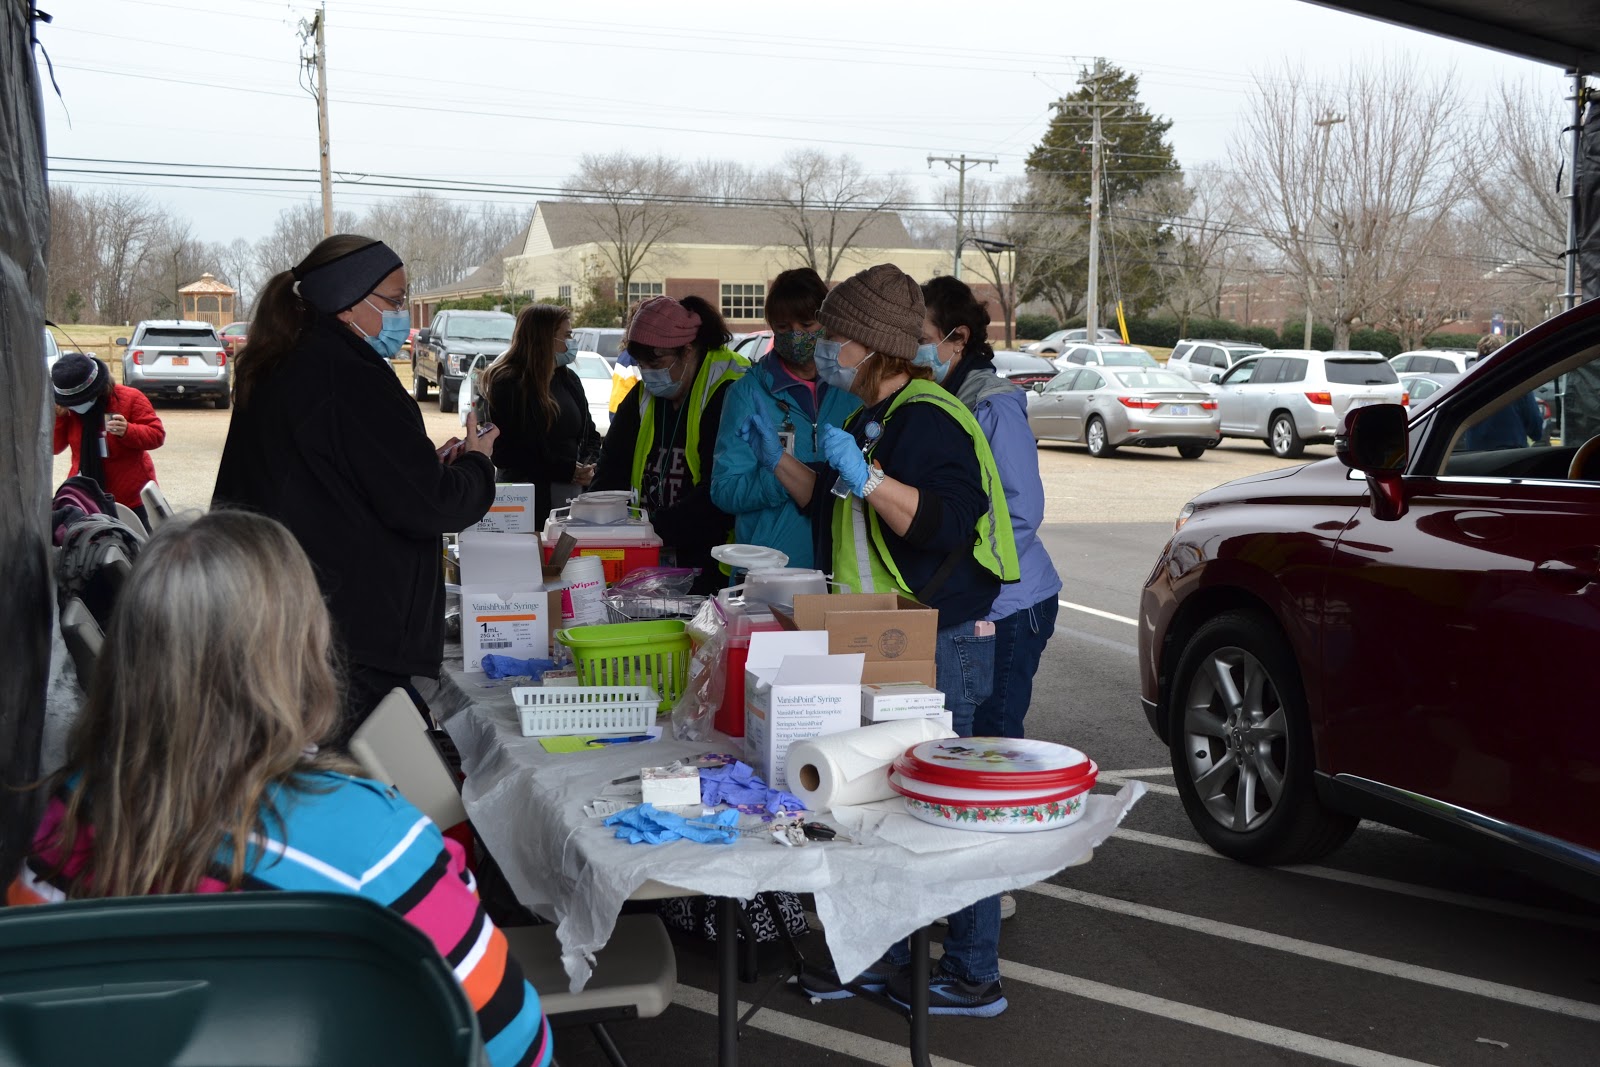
(1095, 436)
(449, 399)
(1241, 746)
(1192, 451)
(419, 384)
(1283, 438)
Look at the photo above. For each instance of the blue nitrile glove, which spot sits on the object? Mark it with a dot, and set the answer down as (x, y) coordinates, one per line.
(738, 783)
(511, 667)
(758, 433)
(844, 456)
(646, 825)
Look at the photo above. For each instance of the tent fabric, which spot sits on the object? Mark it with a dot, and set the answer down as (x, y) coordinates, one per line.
(27, 609)
(1563, 32)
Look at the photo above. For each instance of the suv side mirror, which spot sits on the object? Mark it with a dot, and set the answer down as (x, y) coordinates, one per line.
(1216, 377)
(122, 342)
(1375, 440)
(424, 337)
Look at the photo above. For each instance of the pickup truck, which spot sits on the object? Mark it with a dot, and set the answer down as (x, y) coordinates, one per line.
(177, 358)
(441, 353)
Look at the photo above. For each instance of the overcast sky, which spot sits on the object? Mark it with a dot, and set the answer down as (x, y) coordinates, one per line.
(517, 91)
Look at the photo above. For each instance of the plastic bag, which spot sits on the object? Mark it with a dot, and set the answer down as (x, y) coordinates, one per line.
(694, 714)
(653, 593)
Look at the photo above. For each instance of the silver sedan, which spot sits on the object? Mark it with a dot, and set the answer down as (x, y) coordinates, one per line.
(1109, 407)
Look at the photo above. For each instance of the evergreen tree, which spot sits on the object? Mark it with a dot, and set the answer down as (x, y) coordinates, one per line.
(1139, 178)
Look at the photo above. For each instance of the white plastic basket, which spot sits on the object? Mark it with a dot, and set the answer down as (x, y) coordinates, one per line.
(586, 709)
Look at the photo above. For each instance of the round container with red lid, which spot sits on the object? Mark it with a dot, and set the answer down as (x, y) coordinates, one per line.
(994, 784)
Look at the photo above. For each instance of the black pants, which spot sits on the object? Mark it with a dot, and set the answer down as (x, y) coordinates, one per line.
(364, 688)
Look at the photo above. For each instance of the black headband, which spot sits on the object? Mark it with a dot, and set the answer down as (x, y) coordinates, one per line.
(341, 283)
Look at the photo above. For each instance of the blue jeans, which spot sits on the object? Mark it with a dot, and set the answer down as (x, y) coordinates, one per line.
(1019, 645)
(965, 668)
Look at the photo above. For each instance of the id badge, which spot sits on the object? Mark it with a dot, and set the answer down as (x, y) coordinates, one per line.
(786, 439)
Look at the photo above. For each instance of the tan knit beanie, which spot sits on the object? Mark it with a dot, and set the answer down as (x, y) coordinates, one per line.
(881, 307)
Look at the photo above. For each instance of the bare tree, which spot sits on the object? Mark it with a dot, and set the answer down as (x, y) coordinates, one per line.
(638, 208)
(238, 267)
(826, 202)
(125, 224)
(1447, 287)
(1054, 241)
(295, 232)
(1516, 183)
(1205, 246)
(1353, 207)
(723, 181)
(998, 234)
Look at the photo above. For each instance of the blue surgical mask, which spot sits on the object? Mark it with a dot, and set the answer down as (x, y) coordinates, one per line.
(569, 355)
(830, 370)
(392, 334)
(660, 382)
(81, 409)
(928, 356)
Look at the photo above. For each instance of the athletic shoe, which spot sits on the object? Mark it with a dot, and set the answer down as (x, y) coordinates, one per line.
(1008, 908)
(949, 995)
(824, 984)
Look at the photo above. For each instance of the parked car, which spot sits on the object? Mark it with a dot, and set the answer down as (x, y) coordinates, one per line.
(1057, 342)
(177, 358)
(1023, 369)
(1108, 407)
(1434, 361)
(1274, 650)
(233, 337)
(1420, 387)
(1290, 398)
(753, 346)
(52, 351)
(442, 350)
(593, 372)
(603, 341)
(1205, 360)
(1107, 355)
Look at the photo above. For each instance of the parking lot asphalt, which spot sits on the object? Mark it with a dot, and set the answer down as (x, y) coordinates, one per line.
(1393, 951)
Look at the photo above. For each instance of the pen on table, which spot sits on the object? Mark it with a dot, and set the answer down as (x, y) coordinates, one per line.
(620, 740)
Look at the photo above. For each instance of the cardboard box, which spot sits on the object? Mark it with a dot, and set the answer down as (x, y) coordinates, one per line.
(505, 621)
(792, 693)
(895, 634)
(512, 510)
(501, 559)
(941, 716)
(899, 700)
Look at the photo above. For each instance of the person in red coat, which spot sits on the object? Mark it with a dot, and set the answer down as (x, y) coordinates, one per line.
(118, 424)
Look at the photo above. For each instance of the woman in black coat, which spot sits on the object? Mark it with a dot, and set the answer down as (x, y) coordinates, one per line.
(326, 440)
(536, 401)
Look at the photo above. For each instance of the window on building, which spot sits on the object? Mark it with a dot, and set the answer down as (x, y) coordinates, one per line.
(740, 301)
(564, 292)
(638, 291)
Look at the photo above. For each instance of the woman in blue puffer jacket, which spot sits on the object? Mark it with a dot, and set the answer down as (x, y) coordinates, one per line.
(782, 391)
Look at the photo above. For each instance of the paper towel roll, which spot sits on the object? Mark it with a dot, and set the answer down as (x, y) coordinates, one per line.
(848, 767)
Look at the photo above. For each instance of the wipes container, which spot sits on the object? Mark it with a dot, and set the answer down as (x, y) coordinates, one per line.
(778, 586)
(994, 784)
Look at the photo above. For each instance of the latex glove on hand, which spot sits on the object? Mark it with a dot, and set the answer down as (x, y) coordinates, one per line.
(844, 456)
(758, 433)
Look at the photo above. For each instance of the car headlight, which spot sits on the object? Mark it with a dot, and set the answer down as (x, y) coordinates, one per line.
(1184, 514)
(455, 363)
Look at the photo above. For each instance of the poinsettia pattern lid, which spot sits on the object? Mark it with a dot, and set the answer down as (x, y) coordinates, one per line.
(994, 763)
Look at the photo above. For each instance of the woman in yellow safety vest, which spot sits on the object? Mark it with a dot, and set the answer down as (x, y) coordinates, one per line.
(663, 440)
(917, 508)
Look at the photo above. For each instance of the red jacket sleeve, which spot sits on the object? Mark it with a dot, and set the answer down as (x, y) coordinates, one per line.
(144, 426)
(58, 435)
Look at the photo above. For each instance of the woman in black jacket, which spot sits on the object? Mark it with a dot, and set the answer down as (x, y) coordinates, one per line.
(326, 440)
(537, 404)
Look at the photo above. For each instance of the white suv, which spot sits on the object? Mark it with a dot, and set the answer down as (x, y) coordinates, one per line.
(1205, 360)
(1434, 361)
(1290, 398)
(1083, 354)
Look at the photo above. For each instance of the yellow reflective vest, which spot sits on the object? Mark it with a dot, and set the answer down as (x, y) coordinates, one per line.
(719, 367)
(861, 560)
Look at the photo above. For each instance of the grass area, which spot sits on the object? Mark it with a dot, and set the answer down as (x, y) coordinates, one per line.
(95, 340)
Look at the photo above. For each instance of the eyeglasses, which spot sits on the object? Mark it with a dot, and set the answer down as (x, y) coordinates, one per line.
(657, 361)
(395, 302)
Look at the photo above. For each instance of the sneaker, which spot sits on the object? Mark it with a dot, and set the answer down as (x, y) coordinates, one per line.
(824, 983)
(1008, 908)
(949, 995)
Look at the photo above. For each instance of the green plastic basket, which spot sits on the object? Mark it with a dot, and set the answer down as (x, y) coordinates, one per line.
(633, 653)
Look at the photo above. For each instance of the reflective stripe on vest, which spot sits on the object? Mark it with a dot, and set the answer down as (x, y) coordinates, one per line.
(718, 368)
(862, 561)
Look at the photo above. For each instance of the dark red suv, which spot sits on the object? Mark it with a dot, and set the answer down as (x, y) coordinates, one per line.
(1282, 629)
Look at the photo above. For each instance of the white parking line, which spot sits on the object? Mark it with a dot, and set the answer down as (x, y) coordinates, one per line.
(1248, 1029)
(1387, 885)
(1140, 772)
(1154, 787)
(1459, 983)
(815, 1034)
(1070, 606)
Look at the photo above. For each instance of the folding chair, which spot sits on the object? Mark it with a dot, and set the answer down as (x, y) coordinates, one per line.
(637, 971)
(131, 520)
(83, 637)
(155, 504)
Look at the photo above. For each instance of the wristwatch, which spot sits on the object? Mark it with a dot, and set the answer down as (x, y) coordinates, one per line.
(875, 478)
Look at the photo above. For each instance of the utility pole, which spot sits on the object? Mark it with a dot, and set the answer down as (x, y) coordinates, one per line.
(960, 164)
(1326, 123)
(1579, 91)
(315, 34)
(1097, 110)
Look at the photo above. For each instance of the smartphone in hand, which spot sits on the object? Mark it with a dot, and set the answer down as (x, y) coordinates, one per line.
(480, 411)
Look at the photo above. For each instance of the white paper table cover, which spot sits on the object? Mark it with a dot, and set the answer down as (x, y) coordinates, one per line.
(527, 805)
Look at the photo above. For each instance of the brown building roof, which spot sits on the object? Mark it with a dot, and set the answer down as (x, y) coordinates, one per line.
(488, 277)
(576, 222)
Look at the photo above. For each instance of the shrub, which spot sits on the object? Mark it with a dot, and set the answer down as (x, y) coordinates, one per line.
(1377, 341)
(1294, 336)
(1033, 327)
(1452, 340)
(1164, 333)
